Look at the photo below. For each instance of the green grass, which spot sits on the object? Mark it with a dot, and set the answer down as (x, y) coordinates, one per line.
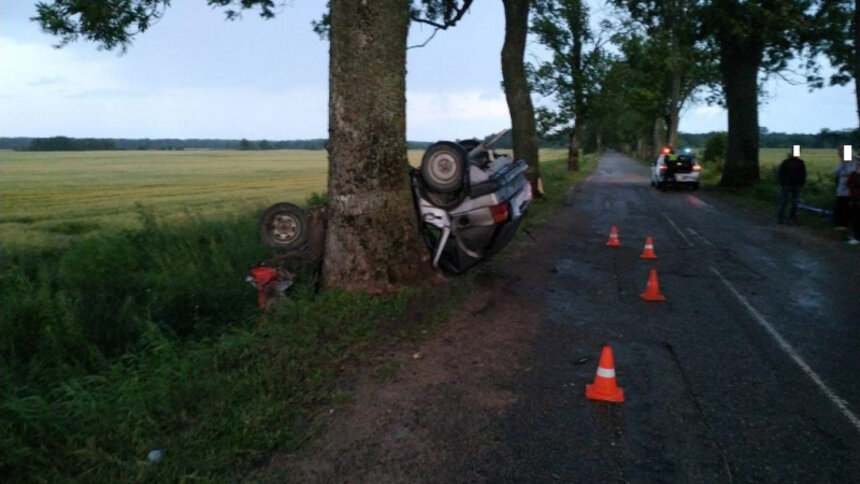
(556, 179)
(149, 339)
(139, 332)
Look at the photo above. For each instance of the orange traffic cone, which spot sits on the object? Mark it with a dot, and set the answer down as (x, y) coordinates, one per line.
(613, 238)
(604, 386)
(652, 290)
(648, 252)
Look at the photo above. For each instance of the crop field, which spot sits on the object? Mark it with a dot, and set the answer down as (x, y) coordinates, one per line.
(48, 199)
(819, 162)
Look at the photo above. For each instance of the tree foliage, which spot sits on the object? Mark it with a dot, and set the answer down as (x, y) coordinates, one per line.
(573, 76)
(680, 61)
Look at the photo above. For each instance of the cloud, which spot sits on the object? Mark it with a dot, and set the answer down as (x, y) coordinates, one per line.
(455, 114)
(46, 92)
(708, 111)
(40, 72)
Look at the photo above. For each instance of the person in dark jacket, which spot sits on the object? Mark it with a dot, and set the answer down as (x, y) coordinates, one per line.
(853, 184)
(792, 177)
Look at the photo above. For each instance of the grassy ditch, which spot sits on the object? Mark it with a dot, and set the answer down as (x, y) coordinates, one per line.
(149, 338)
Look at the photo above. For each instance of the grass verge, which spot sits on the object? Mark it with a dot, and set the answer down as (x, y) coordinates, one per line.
(556, 179)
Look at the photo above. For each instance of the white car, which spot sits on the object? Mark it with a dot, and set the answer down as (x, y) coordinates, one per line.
(678, 170)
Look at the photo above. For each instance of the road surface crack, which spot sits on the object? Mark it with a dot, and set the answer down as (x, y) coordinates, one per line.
(696, 403)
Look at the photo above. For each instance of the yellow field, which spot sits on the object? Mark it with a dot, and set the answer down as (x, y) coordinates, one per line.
(49, 198)
(819, 162)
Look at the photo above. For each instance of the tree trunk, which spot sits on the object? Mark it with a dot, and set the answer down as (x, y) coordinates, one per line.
(371, 243)
(658, 135)
(575, 145)
(739, 65)
(599, 140)
(674, 109)
(517, 90)
(857, 57)
(675, 87)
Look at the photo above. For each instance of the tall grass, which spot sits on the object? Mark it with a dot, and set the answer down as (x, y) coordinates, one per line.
(146, 339)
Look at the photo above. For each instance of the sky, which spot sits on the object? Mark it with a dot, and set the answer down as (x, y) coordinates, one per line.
(196, 75)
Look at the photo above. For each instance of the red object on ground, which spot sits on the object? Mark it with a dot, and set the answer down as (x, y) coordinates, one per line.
(605, 387)
(648, 252)
(652, 290)
(613, 238)
(263, 276)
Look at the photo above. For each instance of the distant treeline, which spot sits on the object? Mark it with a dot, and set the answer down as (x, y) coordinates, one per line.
(64, 143)
(823, 139)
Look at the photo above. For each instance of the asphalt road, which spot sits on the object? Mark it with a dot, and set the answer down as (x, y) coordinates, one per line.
(748, 372)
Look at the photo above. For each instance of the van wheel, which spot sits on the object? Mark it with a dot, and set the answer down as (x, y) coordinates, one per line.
(284, 227)
(443, 166)
(695, 186)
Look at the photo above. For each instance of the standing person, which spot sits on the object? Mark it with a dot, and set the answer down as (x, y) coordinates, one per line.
(792, 177)
(841, 172)
(853, 183)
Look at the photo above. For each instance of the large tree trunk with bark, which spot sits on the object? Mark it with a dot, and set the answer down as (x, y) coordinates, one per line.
(371, 243)
(857, 57)
(575, 145)
(675, 98)
(675, 92)
(517, 90)
(657, 135)
(739, 66)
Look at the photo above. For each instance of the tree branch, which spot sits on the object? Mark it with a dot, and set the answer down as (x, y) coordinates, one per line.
(447, 22)
(418, 46)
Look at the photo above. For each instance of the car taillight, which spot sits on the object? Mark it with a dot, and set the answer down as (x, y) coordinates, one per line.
(696, 168)
(500, 213)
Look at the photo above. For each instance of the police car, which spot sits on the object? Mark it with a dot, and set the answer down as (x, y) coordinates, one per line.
(675, 169)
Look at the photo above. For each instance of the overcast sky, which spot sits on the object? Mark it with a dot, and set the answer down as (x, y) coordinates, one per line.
(195, 75)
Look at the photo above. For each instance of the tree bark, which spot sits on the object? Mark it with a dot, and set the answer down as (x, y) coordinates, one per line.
(658, 135)
(857, 57)
(739, 66)
(674, 109)
(675, 86)
(517, 92)
(371, 242)
(575, 145)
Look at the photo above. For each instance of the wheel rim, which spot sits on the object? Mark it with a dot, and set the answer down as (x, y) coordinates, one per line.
(443, 168)
(285, 228)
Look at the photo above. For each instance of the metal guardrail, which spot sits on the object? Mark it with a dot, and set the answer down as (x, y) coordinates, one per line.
(809, 208)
